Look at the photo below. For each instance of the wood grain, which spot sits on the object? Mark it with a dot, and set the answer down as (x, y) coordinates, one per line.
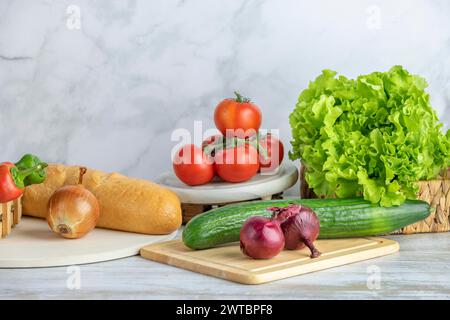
(7, 218)
(227, 262)
(17, 210)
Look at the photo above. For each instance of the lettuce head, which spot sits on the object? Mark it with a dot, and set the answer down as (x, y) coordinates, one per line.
(375, 136)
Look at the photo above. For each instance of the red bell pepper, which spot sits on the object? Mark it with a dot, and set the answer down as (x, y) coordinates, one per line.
(12, 180)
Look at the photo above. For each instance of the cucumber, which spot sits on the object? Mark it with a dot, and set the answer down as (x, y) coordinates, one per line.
(339, 218)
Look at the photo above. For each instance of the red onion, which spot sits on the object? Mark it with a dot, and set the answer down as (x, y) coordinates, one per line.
(300, 226)
(261, 238)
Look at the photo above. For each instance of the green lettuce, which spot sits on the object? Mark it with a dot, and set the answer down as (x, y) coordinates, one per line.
(375, 136)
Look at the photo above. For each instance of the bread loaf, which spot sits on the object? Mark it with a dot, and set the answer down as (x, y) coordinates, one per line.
(126, 204)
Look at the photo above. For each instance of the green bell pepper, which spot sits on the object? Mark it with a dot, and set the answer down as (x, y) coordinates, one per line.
(29, 161)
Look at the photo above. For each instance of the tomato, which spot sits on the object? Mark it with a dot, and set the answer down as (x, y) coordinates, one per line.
(239, 115)
(192, 166)
(237, 164)
(274, 149)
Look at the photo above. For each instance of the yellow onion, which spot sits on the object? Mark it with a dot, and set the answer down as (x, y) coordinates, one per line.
(73, 211)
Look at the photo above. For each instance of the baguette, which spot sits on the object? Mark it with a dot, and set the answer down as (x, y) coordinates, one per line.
(126, 204)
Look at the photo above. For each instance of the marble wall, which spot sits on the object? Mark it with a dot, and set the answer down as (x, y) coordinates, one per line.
(104, 83)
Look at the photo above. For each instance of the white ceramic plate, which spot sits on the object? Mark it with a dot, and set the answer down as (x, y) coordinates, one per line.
(32, 244)
(218, 191)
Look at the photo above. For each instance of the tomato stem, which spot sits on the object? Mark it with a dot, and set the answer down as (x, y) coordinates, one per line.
(240, 98)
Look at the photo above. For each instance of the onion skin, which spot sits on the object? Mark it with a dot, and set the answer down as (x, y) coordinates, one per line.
(261, 238)
(300, 227)
(73, 211)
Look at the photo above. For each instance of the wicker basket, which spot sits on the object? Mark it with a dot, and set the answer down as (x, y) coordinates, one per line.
(436, 192)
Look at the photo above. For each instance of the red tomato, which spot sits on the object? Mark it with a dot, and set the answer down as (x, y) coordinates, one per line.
(237, 164)
(192, 166)
(275, 152)
(239, 115)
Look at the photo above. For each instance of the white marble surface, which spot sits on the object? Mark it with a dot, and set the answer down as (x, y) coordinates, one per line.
(419, 271)
(109, 94)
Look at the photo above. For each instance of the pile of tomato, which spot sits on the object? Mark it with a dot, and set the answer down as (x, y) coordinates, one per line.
(237, 154)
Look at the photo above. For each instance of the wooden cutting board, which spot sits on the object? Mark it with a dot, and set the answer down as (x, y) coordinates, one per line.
(227, 262)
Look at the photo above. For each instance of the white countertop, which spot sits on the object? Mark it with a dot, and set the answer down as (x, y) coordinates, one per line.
(420, 270)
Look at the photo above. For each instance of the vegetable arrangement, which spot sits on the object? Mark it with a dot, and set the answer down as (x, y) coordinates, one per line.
(374, 136)
(292, 227)
(72, 212)
(339, 218)
(237, 154)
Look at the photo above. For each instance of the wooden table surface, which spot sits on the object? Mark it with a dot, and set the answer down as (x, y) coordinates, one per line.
(420, 270)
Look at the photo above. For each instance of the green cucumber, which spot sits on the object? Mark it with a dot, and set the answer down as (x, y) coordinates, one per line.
(339, 218)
